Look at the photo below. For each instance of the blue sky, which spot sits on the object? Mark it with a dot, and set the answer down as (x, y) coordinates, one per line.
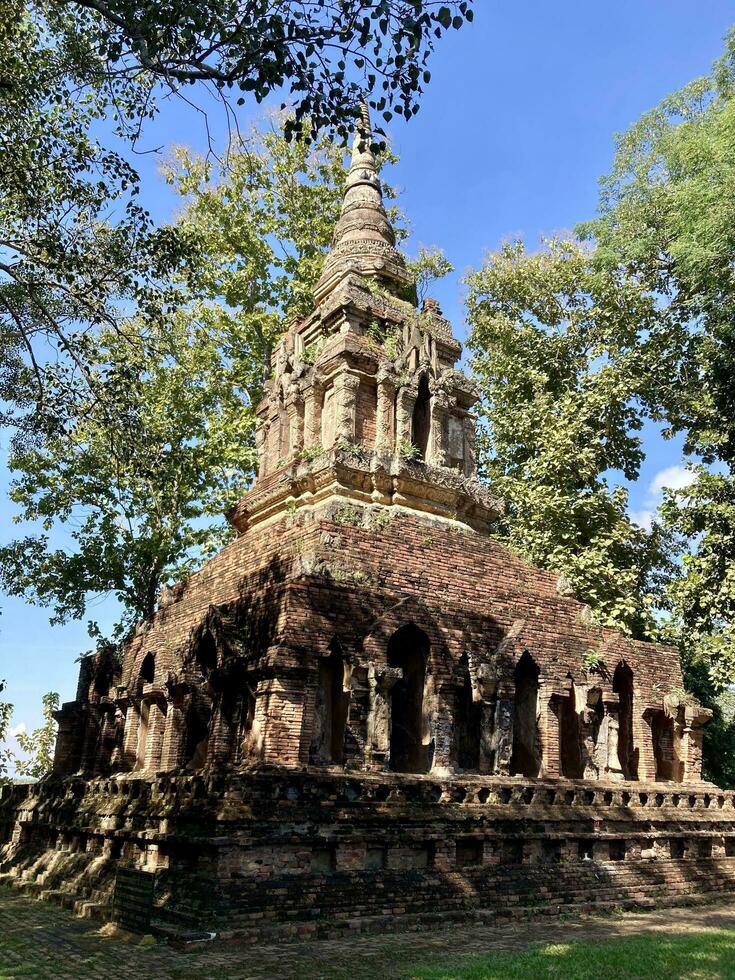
(514, 131)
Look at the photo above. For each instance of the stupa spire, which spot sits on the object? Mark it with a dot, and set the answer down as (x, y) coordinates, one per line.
(363, 215)
(364, 240)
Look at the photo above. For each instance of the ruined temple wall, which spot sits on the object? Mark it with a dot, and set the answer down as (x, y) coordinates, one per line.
(478, 590)
(358, 577)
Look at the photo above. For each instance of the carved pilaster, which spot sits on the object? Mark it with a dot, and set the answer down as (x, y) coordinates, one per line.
(261, 443)
(295, 413)
(470, 450)
(503, 731)
(381, 680)
(346, 388)
(385, 422)
(438, 449)
(404, 411)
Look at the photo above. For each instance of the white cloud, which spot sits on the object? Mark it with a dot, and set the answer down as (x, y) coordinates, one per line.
(673, 477)
(17, 730)
(643, 518)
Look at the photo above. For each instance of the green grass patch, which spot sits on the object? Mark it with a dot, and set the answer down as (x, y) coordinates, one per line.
(706, 955)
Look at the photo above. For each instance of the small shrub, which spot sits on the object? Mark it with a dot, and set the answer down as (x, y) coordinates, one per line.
(347, 514)
(355, 450)
(312, 453)
(311, 353)
(406, 450)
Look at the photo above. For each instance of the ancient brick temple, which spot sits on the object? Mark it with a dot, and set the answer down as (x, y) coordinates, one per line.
(365, 709)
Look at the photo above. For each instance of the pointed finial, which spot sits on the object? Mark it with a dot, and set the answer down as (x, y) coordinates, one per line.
(364, 240)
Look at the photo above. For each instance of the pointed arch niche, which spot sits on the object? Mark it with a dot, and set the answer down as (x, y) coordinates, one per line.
(330, 709)
(408, 649)
(467, 721)
(525, 760)
(421, 420)
(622, 685)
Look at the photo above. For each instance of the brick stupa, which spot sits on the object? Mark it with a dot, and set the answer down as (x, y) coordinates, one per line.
(366, 710)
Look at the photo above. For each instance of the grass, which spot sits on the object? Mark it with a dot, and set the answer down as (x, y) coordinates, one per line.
(703, 955)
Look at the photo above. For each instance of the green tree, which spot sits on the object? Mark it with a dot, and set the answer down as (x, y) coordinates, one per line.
(139, 467)
(327, 55)
(38, 745)
(667, 219)
(6, 754)
(79, 81)
(556, 345)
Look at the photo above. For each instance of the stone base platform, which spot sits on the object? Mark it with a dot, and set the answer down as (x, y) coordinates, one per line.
(281, 852)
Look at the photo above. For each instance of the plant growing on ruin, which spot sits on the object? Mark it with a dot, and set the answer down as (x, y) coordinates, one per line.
(592, 662)
(429, 265)
(312, 453)
(387, 337)
(407, 451)
(347, 514)
(6, 756)
(355, 450)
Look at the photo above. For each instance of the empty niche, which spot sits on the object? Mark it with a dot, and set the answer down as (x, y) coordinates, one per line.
(330, 710)
(375, 857)
(148, 668)
(569, 740)
(677, 847)
(196, 733)
(730, 847)
(622, 685)
(425, 855)
(511, 852)
(421, 421)
(525, 760)
(206, 653)
(468, 851)
(617, 850)
(408, 649)
(551, 851)
(704, 847)
(324, 859)
(468, 721)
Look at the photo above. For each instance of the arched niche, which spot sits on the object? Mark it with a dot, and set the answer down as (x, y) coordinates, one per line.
(196, 733)
(525, 760)
(421, 420)
(622, 685)
(467, 721)
(408, 649)
(148, 668)
(238, 712)
(206, 653)
(330, 708)
(664, 747)
(570, 748)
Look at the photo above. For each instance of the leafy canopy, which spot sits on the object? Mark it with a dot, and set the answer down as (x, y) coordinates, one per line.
(668, 220)
(556, 349)
(138, 467)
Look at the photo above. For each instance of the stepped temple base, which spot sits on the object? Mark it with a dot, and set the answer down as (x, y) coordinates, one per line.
(273, 853)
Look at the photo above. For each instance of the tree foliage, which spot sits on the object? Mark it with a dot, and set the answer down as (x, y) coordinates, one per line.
(74, 242)
(138, 467)
(556, 345)
(79, 81)
(327, 55)
(668, 220)
(38, 746)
